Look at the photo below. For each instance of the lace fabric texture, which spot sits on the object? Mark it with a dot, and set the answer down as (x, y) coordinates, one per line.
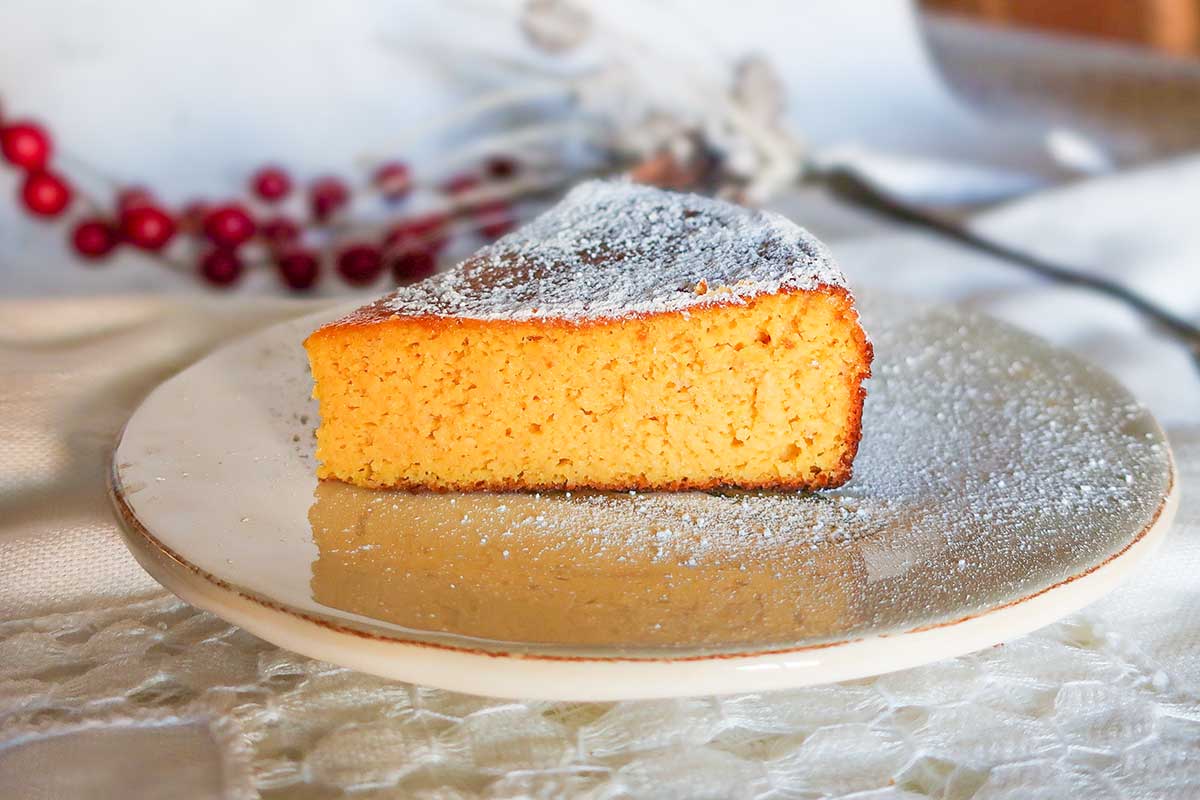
(1105, 704)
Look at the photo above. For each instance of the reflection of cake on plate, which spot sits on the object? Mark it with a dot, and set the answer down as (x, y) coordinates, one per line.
(628, 338)
(590, 569)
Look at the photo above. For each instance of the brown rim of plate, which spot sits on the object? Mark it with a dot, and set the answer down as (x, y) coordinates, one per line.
(131, 526)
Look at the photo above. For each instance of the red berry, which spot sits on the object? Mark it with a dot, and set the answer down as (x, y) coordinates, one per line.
(502, 167)
(271, 184)
(147, 227)
(134, 197)
(298, 268)
(93, 238)
(280, 231)
(359, 264)
(495, 219)
(25, 145)
(460, 184)
(221, 267)
(393, 180)
(413, 265)
(228, 226)
(423, 233)
(326, 196)
(45, 194)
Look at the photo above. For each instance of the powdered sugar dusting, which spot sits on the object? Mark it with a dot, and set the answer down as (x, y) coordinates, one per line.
(617, 249)
(991, 467)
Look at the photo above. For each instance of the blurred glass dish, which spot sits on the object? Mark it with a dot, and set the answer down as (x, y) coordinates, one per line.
(1131, 105)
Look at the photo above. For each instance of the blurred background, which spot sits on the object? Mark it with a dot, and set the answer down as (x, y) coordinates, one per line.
(960, 104)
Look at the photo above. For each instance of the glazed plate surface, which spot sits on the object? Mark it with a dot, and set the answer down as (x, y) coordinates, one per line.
(1001, 484)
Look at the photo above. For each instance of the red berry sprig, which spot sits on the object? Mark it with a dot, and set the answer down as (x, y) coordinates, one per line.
(412, 265)
(93, 238)
(271, 184)
(221, 267)
(326, 197)
(229, 237)
(299, 269)
(25, 146)
(393, 181)
(229, 226)
(45, 194)
(147, 227)
(360, 264)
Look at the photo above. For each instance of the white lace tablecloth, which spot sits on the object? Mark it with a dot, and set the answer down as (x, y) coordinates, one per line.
(110, 687)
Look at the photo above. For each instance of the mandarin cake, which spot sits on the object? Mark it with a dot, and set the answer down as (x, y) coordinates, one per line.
(628, 338)
(592, 568)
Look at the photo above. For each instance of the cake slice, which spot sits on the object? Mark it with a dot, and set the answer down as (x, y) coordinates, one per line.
(628, 338)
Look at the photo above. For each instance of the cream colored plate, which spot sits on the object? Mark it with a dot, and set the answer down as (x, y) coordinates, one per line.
(1001, 484)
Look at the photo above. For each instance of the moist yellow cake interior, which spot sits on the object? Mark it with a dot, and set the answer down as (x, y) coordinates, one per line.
(766, 389)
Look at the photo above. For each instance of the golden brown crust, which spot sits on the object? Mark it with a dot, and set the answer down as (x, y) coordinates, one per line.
(866, 355)
(377, 313)
(369, 316)
(824, 481)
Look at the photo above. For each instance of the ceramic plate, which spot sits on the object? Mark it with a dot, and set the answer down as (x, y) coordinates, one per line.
(1001, 485)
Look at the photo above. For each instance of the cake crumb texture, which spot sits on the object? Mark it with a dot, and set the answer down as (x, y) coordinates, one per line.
(767, 394)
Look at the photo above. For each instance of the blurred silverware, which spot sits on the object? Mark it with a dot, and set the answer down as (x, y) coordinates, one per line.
(854, 187)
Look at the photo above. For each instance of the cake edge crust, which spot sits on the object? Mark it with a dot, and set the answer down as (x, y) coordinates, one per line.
(375, 314)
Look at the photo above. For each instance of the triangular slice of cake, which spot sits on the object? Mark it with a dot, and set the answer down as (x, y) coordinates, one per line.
(628, 338)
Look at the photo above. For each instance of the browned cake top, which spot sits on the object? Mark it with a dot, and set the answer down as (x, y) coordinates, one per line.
(611, 250)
